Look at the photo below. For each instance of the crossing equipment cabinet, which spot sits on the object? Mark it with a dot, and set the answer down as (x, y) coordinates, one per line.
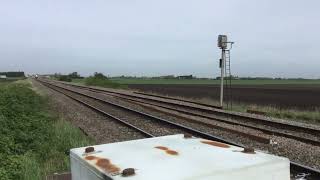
(175, 157)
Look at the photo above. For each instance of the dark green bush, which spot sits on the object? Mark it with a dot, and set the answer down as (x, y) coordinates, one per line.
(98, 79)
(65, 78)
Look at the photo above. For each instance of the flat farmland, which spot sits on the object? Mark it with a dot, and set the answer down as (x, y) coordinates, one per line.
(287, 96)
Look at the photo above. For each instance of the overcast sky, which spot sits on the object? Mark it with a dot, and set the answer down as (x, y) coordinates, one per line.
(276, 38)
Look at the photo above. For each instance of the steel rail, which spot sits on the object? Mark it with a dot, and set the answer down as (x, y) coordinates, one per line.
(135, 96)
(267, 131)
(295, 168)
(216, 111)
(102, 112)
(178, 99)
(187, 129)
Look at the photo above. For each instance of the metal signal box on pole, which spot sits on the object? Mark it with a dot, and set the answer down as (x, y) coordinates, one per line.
(224, 62)
(222, 41)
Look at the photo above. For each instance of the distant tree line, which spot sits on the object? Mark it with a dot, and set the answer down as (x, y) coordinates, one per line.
(216, 78)
(159, 77)
(13, 74)
(68, 77)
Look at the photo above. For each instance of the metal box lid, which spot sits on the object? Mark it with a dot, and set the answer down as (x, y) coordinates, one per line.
(178, 158)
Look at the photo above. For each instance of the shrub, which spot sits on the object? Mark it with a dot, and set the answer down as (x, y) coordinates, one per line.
(98, 79)
(65, 78)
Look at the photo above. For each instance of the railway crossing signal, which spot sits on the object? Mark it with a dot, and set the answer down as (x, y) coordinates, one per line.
(224, 63)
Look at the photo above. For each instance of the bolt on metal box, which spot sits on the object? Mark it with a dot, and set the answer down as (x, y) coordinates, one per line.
(175, 157)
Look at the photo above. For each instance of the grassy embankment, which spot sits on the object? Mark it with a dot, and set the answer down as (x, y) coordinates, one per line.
(33, 141)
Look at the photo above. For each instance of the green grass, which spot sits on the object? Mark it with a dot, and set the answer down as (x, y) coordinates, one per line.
(33, 141)
(212, 81)
(305, 116)
(100, 82)
(79, 81)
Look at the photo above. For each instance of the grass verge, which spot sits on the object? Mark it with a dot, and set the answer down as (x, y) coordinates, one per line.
(305, 116)
(34, 142)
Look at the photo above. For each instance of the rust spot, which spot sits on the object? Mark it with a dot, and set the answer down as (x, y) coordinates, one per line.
(89, 149)
(128, 172)
(215, 143)
(172, 152)
(90, 158)
(187, 136)
(106, 165)
(248, 151)
(168, 151)
(161, 147)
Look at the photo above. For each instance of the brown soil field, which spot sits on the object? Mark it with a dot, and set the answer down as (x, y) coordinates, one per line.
(283, 96)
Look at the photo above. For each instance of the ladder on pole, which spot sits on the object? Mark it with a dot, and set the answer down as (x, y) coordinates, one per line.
(228, 80)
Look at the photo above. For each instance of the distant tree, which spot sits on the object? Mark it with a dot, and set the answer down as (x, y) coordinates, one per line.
(64, 78)
(74, 75)
(99, 75)
(56, 75)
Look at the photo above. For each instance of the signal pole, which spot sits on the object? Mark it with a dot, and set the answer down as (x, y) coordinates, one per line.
(223, 45)
(222, 66)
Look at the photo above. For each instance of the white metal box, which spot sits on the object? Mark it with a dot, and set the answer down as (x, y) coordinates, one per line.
(222, 41)
(176, 158)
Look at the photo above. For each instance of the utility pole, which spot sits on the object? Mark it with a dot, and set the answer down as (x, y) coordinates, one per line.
(223, 45)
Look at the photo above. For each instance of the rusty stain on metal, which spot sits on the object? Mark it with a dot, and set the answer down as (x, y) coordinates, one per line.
(172, 152)
(215, 143)
(90, 158)
(107, 165)
(128, 172)
(104, 164)
(187, 136)
(89, 149)
(161, 147)
(167, 150)
(248, 150)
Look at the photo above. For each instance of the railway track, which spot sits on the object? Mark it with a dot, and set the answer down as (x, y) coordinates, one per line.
(300, 133)
(178, 128)
(291, 135)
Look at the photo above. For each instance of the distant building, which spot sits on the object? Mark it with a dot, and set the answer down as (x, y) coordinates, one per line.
(167, 77)
(185, 77)
(3, 77)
